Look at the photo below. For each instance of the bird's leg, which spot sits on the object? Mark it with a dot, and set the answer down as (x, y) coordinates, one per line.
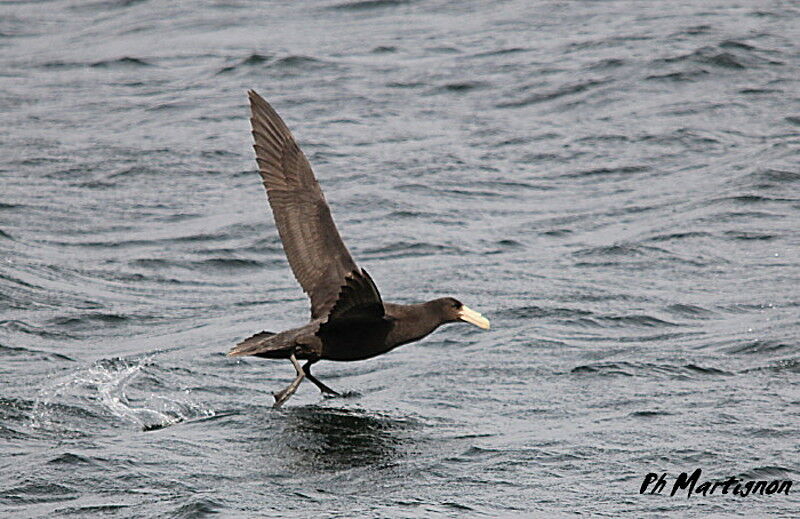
(322, 387)
(283, 396)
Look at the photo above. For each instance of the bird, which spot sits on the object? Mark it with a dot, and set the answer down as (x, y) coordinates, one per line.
(349, 319)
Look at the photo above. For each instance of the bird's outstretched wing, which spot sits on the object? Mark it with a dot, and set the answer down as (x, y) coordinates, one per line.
(318, 257)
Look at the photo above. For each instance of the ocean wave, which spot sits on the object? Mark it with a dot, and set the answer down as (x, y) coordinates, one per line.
(540, 97)
(647, 369)
(125, 61)
(364, 5)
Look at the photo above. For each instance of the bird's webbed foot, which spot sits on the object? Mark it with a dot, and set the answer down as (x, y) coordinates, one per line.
(326, 391)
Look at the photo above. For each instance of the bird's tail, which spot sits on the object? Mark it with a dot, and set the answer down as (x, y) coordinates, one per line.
(257, 344)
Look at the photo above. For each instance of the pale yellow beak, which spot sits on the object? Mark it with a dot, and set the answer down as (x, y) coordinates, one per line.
(471, 316)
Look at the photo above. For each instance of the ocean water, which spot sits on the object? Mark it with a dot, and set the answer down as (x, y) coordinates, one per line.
(615, 184)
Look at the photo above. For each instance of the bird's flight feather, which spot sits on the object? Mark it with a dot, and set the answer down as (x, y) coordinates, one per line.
(318, 257)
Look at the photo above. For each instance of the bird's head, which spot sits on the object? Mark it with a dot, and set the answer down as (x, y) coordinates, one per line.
(453, 310)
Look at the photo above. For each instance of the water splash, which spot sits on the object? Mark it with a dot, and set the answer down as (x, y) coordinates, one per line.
(134, 391)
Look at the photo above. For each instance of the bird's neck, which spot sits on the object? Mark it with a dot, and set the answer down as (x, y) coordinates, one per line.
(411, 322)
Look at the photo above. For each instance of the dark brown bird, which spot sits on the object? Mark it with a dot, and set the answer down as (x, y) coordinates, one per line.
(349, 321)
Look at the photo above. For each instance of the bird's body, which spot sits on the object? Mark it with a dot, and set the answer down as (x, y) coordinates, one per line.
(349, 320)
(345, 341)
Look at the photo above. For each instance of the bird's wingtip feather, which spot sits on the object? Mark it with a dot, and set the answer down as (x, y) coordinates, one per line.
(254, 96)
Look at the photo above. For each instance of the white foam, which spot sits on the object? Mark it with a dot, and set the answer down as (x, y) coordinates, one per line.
(107, 387)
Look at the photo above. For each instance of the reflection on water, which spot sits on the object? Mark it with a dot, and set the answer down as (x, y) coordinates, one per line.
(336, 438)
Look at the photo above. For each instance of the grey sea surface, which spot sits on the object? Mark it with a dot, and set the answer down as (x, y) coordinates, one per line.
(615, 184)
